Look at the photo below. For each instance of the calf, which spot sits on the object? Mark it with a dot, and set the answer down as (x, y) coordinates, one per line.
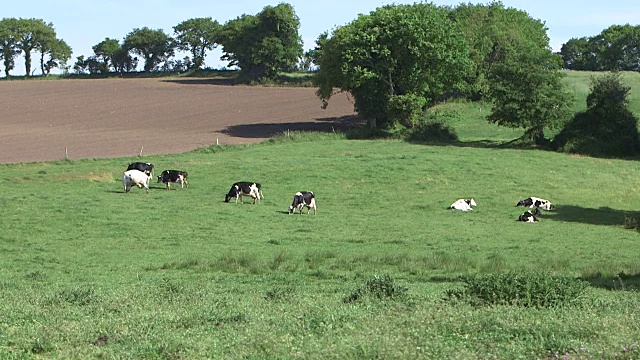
(303, 199)
(244, 188)
(144, 167)
(534, 202)
(530, 216)
(174, 176)
(135, 178)
(463, 204)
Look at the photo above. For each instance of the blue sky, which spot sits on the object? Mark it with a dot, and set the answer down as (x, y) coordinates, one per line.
(82, 24)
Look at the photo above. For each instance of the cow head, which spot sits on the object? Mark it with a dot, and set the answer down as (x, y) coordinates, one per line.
(471, 202)
(233, 192)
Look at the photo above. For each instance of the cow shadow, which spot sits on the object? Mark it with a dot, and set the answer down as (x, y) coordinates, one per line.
(602, 216)
(269, 130)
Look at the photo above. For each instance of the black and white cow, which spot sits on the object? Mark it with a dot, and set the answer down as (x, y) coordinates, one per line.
(174, 176)
(301, 200)
(530, 216)
(244, 188)
(135, 178)
(144, 167)
(463, 204)
(534, 202)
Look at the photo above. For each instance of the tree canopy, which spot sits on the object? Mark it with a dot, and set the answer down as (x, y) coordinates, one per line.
(514, 68)
(197, 36)
(153, 45)
(263, 44)
(394, 61)
(616, 48)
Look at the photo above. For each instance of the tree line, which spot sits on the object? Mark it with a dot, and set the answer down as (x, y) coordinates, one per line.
(614, 49)
(397, 62)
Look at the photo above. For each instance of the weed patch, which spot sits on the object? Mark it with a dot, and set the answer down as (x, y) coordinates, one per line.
(381, 287)
(526, 290)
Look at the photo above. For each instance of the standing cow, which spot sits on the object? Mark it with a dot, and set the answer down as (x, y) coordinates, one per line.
(135, 178)
(174, 176)
(144, 167)
(301, 200)
(244, 188)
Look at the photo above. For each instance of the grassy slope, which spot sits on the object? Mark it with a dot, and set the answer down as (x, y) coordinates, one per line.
(92, 272)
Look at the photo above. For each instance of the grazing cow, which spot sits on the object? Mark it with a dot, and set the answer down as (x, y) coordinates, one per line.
(463, 204)
(530, 216)
(244, 188)
(144, 167)
(174, 176)
(135, 178)
(303, 199)
(534, 202)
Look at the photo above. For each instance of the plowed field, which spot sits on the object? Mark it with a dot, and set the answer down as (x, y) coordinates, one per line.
(100, 118)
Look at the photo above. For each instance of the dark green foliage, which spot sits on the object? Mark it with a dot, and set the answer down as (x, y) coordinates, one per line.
(614, 49)
(153, 45)
(263, 44)
(197, 36)
(607, 127)
(433, 132)
(540, 290)
(394, 61)
(381, 287)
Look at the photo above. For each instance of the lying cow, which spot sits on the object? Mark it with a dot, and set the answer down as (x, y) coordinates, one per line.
(530, 216)
(534, 202)
(301, 200)
(144, 167)
(135, 178)
(174, 176)
(463, 204)
(244, 188)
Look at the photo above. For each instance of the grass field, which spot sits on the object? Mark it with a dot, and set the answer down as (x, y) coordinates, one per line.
(90, 272)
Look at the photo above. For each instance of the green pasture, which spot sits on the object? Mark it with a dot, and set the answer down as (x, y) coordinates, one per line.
(88, 271)
(91, 272)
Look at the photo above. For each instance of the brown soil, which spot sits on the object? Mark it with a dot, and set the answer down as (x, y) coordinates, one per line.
(120, 117)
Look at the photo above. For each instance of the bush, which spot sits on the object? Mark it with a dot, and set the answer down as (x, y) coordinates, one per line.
(607, 127)
(433, 132)
(526, 290)
(380, 287)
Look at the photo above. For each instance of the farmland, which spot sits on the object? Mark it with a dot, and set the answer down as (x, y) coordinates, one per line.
(90, 272)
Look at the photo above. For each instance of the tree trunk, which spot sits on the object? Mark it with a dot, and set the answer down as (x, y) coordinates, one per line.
(535, 135)
(27, 62)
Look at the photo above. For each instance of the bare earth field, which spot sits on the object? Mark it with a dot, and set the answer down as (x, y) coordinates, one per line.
(102, 118)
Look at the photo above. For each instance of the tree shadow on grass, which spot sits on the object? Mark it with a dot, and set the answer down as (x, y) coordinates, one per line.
(268, 130)
(221, 81)
(602, 216)
(620, 282)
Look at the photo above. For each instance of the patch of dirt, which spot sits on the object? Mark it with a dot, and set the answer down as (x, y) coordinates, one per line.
(103, 118)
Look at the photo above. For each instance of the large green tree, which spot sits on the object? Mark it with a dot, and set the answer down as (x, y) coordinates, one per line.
(153, 45)
(197, 36)
(31, 33)
(54, 53)
(263, 44)
(9, 43)
(394, 61)
(514, 68)
(105, 51)
(616, 48)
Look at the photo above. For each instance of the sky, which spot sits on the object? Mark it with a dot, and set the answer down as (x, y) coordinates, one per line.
(84, 23)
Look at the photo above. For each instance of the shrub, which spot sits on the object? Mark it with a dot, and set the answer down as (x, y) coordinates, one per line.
(607, 127)
(381, 287)
(432, 132)
(526, 290)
